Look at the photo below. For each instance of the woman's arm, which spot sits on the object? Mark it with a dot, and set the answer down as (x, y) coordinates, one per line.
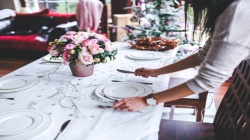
(137, 103)
(180, 65)
(191, 61)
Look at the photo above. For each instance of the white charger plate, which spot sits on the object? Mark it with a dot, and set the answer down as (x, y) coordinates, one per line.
(124, 90)
(15, 82)
(13, 123)
(144, 56)
(35, 82)
(58, 60)
(98, 90)
(24, 136)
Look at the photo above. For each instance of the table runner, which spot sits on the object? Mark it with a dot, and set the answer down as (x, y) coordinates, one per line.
(98, 124)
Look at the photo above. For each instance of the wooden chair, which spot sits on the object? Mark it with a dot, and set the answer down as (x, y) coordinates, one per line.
(232, 120)
(196, 101)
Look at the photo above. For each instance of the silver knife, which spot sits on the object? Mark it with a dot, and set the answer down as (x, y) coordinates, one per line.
(135, 82)
(62, 128)
(8, 98)
(127, 71)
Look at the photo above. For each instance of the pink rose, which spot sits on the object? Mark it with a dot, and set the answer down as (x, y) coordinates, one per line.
(94, 51)
(78, 38)
(85, 49)
(85, 58)
(69, 47)
(65, 62)
(53, 51)
(69, 36)
(66, 56)
(108, 47)
(100, 50)
(107, 40)
(94, 41)
(62, 39)
(100, 37)
(94, 46)
(86, 43)
(70, 33)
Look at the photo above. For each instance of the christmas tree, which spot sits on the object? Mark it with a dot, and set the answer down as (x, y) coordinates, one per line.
(157, 19)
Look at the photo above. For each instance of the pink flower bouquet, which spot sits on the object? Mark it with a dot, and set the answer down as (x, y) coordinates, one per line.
(81, 47)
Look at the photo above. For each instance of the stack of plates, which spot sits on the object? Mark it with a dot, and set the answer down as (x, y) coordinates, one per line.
(22, 124)
(123, 90)
(145, 55)
(57, 60)
(17, 83)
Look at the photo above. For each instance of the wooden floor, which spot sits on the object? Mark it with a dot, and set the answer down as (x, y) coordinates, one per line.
(8, 65)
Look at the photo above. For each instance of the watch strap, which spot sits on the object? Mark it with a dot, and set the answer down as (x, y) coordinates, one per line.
(151, 96)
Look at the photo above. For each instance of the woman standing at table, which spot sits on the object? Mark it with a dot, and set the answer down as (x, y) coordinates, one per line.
(227, 23)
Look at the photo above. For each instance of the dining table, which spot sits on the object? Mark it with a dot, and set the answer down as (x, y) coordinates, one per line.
(74, 98)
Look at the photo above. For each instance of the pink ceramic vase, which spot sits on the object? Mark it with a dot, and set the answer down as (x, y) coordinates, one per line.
(81, 70)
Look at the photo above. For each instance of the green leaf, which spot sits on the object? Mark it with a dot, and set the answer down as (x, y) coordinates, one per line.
(61, 43)
(73, 63)
(79, 50)
(102, 46)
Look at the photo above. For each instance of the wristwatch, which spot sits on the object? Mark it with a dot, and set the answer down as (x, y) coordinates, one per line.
(151, 100)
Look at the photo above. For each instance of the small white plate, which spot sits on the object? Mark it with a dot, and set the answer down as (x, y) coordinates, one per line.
(19, 122)
(35, 82)
(98, 90)
(58, 60)
(24, 136)
(15, 82)
(124, 90)
(144, 56)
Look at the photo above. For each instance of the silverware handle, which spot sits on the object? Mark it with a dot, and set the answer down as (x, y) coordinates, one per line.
(8, 98)
(140, 111)
(57, 135)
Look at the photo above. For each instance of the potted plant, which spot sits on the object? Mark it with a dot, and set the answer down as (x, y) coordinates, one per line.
(82, 50)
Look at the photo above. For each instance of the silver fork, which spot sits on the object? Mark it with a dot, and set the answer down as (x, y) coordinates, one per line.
(115, 100)
(29, 75)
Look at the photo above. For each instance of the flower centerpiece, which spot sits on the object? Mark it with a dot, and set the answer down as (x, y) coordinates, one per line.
(82, 50)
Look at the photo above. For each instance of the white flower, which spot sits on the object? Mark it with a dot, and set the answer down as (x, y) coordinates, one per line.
(85, 58)
(100, 50)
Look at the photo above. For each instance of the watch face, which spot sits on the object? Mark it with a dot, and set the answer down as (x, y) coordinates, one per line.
(151, 101)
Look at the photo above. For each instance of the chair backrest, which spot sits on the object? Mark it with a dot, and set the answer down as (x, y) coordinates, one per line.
(232, 120)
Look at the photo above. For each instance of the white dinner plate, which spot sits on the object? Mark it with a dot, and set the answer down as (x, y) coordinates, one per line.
(98, 90)
(13, 123)
(57, 60)
(15, 82)
(124, 90)
(145, 55)
(35, 82)
(24, 136)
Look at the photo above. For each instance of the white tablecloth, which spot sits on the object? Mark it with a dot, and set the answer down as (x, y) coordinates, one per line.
(99, 124)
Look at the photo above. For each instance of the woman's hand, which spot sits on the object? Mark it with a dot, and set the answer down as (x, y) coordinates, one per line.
(131, 104)
(145, 72)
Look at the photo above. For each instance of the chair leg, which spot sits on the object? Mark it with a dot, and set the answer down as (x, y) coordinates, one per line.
(201, 105)
(194, 110)
(171, 116)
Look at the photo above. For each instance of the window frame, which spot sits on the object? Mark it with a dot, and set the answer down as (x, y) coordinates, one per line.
(46, 3)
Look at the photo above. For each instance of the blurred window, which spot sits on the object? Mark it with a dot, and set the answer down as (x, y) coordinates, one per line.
(57, 6)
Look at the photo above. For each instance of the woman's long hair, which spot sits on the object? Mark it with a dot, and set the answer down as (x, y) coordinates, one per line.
(205, 13)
